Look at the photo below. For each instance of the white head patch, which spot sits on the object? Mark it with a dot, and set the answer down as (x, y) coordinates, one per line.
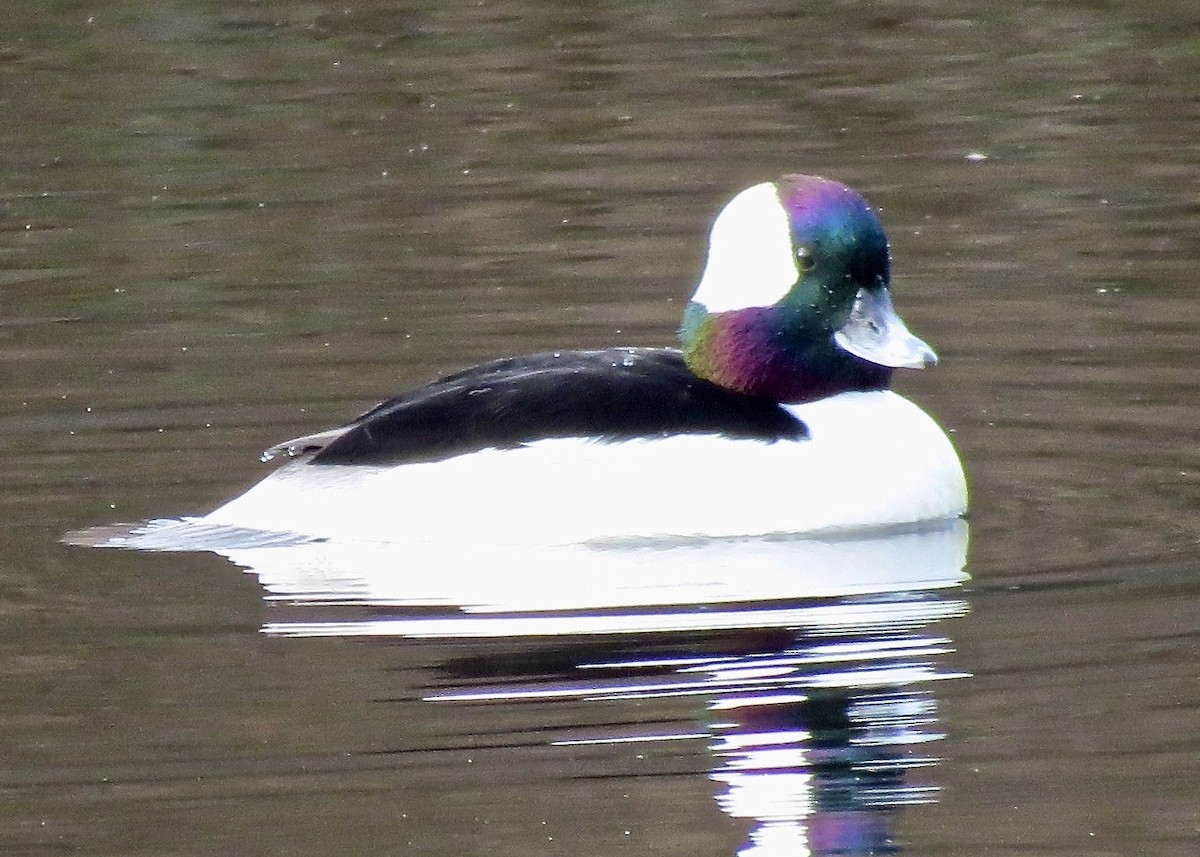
(750, 261)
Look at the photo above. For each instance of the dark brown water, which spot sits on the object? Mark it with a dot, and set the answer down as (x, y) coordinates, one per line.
(225, 224)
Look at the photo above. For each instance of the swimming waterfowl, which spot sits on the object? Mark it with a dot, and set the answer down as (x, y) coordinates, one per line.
(774, 417)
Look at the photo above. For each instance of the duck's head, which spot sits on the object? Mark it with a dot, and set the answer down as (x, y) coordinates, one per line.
(794, 302)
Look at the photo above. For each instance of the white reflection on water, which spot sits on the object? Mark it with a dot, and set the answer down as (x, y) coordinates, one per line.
(812, 741)
(501, 578)
(810, 653)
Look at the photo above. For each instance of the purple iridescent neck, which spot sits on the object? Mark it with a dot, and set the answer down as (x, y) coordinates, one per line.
(753, 351)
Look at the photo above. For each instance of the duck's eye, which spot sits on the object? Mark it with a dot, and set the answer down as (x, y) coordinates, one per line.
(806, 259)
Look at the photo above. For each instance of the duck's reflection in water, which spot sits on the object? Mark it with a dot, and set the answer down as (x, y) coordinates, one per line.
(812, 741)
(813, 656)
(823, 772)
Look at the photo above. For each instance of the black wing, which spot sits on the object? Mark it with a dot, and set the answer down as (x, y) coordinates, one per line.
(610, 395)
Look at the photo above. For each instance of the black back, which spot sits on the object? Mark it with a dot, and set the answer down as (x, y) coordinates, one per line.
(611, 395)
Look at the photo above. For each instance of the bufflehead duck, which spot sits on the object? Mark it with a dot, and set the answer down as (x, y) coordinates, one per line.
(775, 417)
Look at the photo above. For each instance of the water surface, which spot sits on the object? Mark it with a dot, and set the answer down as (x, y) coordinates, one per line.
(223, 225)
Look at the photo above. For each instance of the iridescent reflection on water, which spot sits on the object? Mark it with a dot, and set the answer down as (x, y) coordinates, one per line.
(814, 659)
(811, 738)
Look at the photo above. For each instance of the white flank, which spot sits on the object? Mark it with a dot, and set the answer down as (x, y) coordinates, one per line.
(750, 255)
(874, 460)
